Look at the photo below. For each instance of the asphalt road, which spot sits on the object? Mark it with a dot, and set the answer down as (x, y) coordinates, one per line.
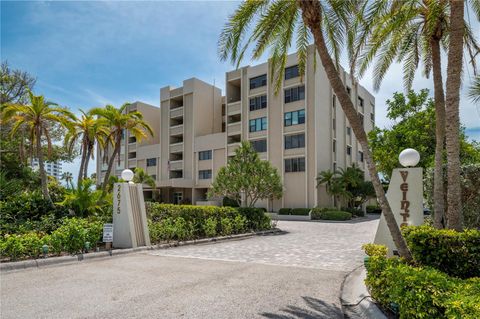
(207, 281)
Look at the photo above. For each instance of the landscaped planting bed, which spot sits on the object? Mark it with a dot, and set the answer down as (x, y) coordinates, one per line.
(330, 214)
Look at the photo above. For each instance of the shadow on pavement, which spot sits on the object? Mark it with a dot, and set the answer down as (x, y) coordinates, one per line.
(315, 309)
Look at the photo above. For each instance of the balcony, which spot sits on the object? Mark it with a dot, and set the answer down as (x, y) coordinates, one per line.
(234, 139)
(176, 112)
(231, 149)
(234, 108)
(176, 165)
(176, 130)
(176, 148)
(234, 129)
(176, 174)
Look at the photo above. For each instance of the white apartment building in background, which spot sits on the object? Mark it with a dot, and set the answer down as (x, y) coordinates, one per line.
(301, 130)
(53, 169)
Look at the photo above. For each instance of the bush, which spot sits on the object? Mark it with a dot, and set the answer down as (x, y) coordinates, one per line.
(227, 226)
(12, 246)
(375, 250)
(421, 292)
(354, 211)
(285, 211)
(74, 233)
(374, 209)
(184, 222)
(210, 227)
(300, 211)
(228, 202)
(329, 214)
(256, 219)
(455, 253)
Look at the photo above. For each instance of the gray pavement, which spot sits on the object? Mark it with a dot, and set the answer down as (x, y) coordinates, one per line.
(294, 275)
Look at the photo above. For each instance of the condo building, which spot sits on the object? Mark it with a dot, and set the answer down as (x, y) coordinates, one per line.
(53, 169)
(299, 127)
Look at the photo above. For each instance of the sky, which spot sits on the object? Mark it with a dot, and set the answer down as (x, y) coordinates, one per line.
(90, 53)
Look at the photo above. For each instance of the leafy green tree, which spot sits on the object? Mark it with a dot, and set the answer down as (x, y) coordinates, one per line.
(247, 174)
(142, 177)
(119, 120)
(14, 85)
(37, 118)
(275, 25)
(413, 115)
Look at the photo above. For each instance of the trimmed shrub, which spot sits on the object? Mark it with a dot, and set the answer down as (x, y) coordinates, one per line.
(374, 209)
(300, 211)
(227, 226)
(354, 211)
(330, 214)
(74, 233)
(455, 253)
(256, 218)
(210, 227)
(228, 202)
(285, 211)
(12, 246)
(239, 224)
(375, 250)
(421, 292)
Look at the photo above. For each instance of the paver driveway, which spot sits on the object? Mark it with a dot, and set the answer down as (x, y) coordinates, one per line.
(295, 275)
(320, 245)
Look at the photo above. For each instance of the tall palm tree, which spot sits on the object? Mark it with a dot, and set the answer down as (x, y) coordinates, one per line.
(452, 129)
(38, 118)
(68, 178)
(474, 92)
(88, 129)
(410, 32)
(120, 120)
(276, 24)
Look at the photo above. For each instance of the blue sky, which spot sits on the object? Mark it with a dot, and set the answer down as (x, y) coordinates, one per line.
(87, 54)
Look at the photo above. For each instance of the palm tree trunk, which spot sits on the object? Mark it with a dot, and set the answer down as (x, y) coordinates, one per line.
(311, 14)
(82, 163)
(438, 192)
(87, 160)
(43, 175)
(110, 163)
(454, 71)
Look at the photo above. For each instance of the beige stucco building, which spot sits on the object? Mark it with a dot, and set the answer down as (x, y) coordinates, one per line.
(301, 130)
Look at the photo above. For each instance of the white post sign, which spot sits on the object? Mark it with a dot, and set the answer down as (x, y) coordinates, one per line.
(107, 233)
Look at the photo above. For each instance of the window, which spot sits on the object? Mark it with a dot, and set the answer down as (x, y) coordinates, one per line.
(334, 123)
(294, 118)
(334, 101)
(154, 176)
(360, 156)
(258, 102)
(132, 155)
(205, 174)
(294, 141)
(151, 162)
(259, 124)
(349, 131)
(372, 117)
(334, 146)
(259, 145)
(132, 139)
(295, 164)
(349, 90)
(292, 72)
(294, 94)
(258, 81)
(205, 155)
(349, 150)
(361, 103)
(361, 118)
(334, 166)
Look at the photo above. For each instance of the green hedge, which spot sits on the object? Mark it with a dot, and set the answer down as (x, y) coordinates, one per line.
(285, 211)
(185, 222)
(354, 211)
(330, 214)
(374, 209)
(70, 237)
(455, 253)
(422, 292)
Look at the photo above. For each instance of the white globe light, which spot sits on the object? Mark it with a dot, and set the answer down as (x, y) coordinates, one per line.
(127, 175)
(409, 157)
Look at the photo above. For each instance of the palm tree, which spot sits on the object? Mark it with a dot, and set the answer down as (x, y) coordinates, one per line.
(474, 92)
(410, 32)
(120, 120)
(68, 178)
(84, 200)
(38, 118)
(142, 177)
(452, 129)
(277, 23)
(88, 130)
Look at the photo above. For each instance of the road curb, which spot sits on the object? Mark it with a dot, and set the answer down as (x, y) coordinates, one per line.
(43, 262)
(356, 301)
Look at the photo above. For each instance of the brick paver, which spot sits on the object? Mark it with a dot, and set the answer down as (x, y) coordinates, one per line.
(321, 245)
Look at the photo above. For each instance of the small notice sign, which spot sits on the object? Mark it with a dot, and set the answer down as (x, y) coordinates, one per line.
(107, 233)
